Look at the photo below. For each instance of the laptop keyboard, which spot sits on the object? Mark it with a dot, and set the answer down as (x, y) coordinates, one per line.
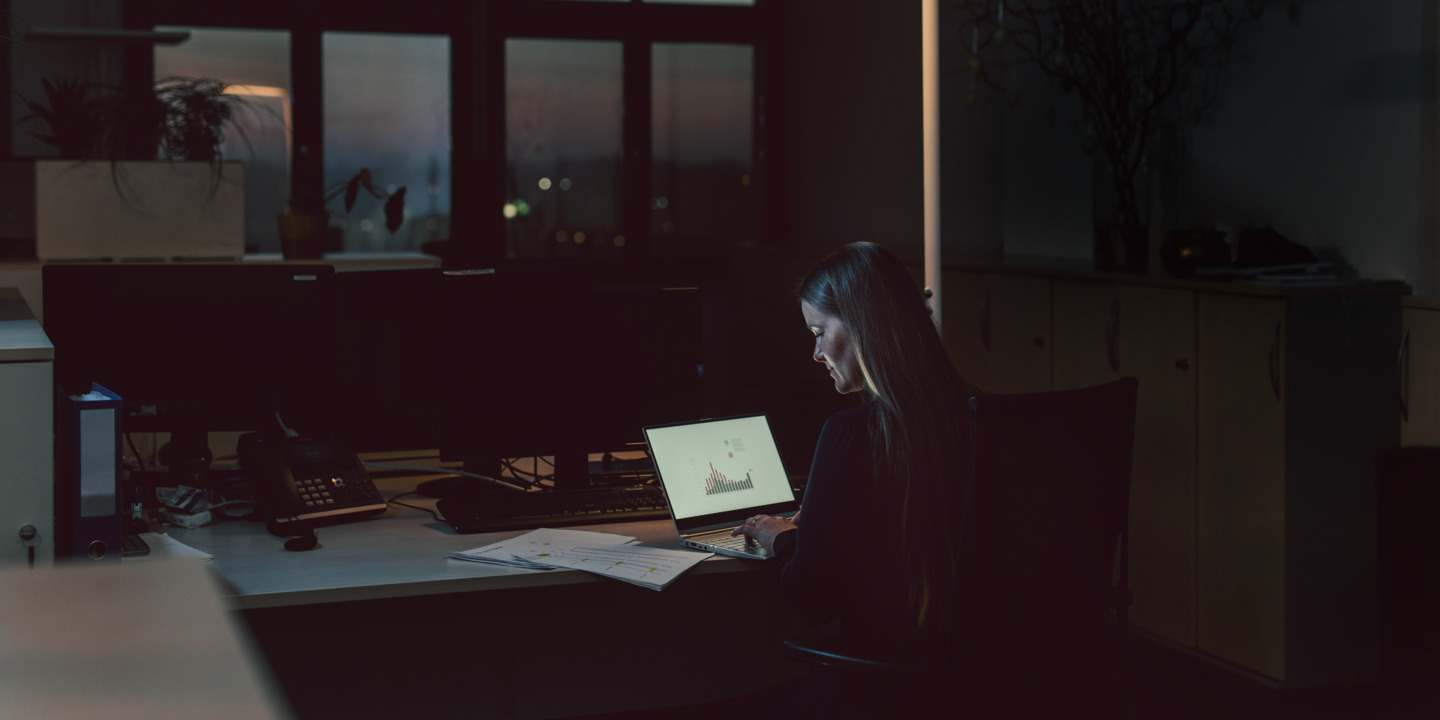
(725, 540)
(590, 506)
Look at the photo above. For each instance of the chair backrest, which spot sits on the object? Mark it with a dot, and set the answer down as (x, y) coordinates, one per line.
(1407, 497)
(1044, 519)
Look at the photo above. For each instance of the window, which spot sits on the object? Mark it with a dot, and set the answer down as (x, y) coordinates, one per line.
(387, 109)
(519, 128)
(705, 189)
(256, 63)
(563, 149)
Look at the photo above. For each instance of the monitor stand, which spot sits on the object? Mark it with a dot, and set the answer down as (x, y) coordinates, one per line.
(572, 470)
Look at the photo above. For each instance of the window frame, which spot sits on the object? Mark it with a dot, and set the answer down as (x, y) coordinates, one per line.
(477, 32)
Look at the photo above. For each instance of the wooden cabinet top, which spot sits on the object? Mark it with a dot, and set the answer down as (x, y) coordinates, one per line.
(1071, 269)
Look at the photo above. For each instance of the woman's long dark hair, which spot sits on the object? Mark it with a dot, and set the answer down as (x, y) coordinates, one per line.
(919, 400)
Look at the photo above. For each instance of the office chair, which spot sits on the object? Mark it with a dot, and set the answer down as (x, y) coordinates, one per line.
(1042, 532)
(1407, 503)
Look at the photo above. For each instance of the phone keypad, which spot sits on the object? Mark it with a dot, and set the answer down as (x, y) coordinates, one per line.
(322, 492)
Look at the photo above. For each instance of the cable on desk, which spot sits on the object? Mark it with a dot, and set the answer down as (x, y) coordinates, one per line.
(138, 460)
(534, 477)
(394, 501)
(447, 471)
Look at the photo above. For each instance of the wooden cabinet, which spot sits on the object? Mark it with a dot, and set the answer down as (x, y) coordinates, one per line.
(1241, 529)
(997, 328)
(1260, 411)
(1297, 396)
(1419, 363)
(1105, 330)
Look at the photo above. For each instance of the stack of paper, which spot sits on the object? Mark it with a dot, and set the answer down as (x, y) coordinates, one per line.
(164, 547)
(536, 542)
(601, 553)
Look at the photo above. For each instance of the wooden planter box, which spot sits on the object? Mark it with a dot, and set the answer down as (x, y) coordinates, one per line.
(135, 210)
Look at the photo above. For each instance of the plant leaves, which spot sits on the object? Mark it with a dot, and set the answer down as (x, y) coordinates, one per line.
(352, 189)
(395, 210)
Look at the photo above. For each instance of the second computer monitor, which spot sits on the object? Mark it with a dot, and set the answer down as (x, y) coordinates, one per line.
(566, 360)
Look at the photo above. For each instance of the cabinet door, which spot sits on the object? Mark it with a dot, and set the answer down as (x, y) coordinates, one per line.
(1241, 481)
(1104, 331)
(1420, 373)
(997, 329)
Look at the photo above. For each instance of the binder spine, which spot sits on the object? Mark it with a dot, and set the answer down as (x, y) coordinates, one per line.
(88, 475)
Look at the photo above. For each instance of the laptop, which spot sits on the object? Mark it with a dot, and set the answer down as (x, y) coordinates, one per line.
(718, 473)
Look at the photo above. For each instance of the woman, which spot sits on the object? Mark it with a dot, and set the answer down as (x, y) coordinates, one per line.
(886, 480)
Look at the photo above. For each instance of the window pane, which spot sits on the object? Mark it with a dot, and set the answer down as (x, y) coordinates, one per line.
(563, 148)
(387, 109)
(257, 64)
(705, 192)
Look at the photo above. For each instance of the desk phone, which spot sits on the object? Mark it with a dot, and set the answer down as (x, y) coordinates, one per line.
(307, 480)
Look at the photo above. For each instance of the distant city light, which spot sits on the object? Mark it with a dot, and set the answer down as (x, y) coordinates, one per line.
(544, 183)
(662, 202)
(562, 236)
(667, 226)
(434, 189)
(564, 183)
(522, 207)
(619, 241)
(579, 238)
(745, 179)
(366, 226)
(510, 210)
(390, 189)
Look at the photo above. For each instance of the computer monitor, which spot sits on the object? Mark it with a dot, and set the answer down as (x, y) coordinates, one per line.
(565, 360)
(390, 338)
(194, 348)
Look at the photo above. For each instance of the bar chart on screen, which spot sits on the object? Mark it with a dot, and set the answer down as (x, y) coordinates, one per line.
(716, 482)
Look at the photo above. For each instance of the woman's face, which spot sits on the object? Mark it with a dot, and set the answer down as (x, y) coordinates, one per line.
(833, 347)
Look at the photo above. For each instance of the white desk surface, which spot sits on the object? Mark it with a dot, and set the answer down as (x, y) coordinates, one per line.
(143, 642)
(401, 553)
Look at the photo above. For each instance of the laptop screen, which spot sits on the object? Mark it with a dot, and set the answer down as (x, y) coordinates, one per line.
(714, 469)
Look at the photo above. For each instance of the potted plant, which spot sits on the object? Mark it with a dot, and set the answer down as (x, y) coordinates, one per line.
(184, 200)
(1141, 70)
(303, 224)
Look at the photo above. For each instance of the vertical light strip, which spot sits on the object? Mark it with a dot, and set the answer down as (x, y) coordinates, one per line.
(930, 105)
(1427, 280)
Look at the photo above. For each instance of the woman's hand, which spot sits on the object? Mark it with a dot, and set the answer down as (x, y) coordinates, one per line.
(764, 528)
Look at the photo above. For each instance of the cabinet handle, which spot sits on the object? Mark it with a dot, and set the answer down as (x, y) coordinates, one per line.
(1112, 336)
(1404, 366)
(985, 322)
(1275, 360)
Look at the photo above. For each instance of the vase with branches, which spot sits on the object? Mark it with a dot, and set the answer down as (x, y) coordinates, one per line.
(1141, 69)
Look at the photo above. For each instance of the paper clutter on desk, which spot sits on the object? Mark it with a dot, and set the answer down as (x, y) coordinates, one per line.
(654, 568)
(510, 552)
(612, 556)
(164, 547)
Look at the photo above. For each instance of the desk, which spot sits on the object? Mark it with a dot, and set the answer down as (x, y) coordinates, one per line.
(379, 623)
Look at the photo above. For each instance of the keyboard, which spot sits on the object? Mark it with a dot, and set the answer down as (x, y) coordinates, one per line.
(590, 506)
(132, 545)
